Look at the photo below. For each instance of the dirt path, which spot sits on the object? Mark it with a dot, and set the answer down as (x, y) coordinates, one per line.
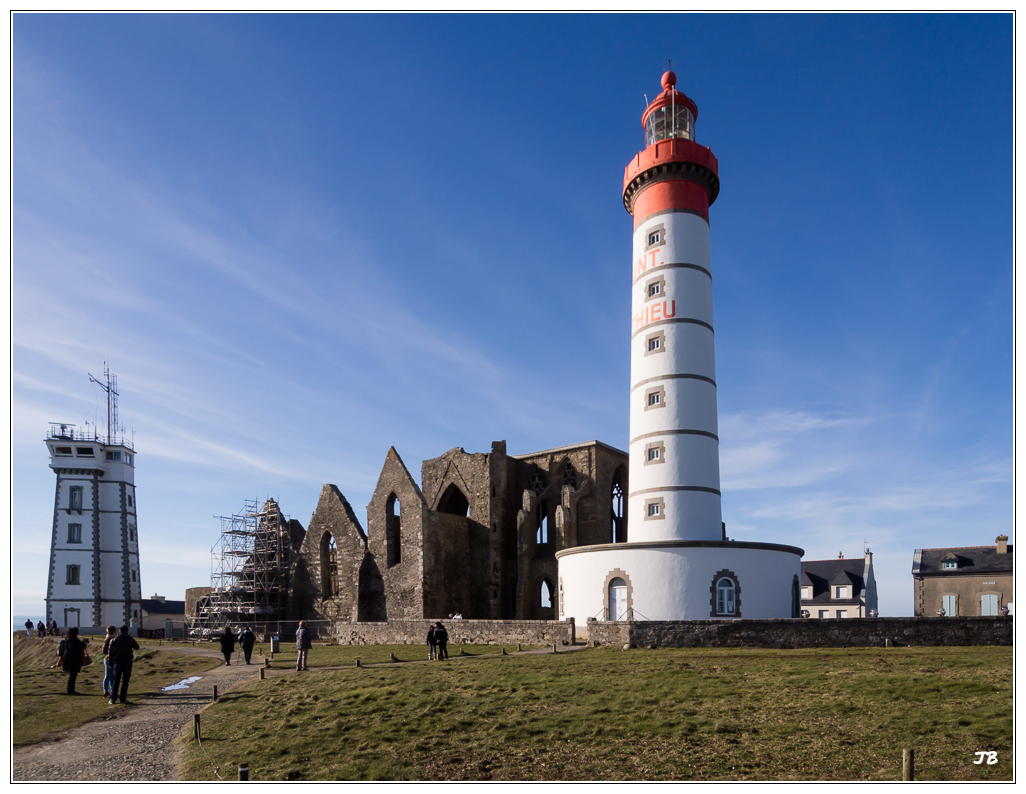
(138, 742)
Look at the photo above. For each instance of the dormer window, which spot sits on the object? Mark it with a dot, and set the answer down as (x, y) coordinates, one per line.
(840, 591)
(949, 565)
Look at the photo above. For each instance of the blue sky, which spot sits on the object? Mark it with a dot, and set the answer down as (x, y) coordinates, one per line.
(299, 240)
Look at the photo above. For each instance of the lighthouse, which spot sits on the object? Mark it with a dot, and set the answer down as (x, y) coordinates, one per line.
(674, 442)
(94, 545)
(676, 562)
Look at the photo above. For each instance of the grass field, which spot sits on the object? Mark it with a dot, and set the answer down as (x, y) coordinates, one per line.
(41, 710)
(603, 714)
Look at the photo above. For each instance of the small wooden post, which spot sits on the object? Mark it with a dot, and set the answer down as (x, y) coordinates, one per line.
(392, 657)
(504, 651)
(160, 642)
(518, 647)
(262, 671)
(214, 698)
(196, 726)
(357, 662)
(553, 647)
(243, 771)
(908, 764)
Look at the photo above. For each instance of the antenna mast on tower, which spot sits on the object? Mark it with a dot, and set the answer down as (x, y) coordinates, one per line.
(111, 387)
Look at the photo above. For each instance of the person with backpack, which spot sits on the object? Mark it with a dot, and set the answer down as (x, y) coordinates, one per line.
(442, 638)
(120, 653)
(72, 651)
(247, 639)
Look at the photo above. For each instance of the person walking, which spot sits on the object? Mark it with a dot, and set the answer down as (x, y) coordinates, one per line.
(108, 668)
(432, 643)
(28, 628)
(120, 654)
(247, 639)
(303, 644)
(72, 658)
(40, 629)
(227, 644)
(442, 638)
(53, 628)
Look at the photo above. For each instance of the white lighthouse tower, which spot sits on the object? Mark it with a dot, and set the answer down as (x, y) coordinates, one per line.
(677, 563)
(94, 550)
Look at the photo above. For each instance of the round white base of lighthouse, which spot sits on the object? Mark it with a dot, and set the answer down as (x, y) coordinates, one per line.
(679, 580)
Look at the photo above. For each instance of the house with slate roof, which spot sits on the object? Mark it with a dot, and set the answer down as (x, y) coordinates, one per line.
(963, 581)
(158, 609)
(841, 588)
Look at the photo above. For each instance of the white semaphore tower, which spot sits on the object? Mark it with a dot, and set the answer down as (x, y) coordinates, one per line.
(677, 563)
(94, 551)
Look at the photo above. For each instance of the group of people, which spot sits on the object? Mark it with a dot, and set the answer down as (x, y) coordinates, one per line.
(246, 638)
(438, 642)
(42, 629)
(118, 648)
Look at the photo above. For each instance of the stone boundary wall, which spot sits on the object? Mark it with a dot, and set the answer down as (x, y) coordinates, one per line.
(461, 632)
(805, 633)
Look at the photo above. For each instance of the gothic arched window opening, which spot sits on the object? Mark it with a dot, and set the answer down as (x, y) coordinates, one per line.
(329, 566)
(618, 509)
(454, 502)
(393, 530)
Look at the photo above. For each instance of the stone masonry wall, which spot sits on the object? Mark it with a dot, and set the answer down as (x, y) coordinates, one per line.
(480, 632)
(798, 633)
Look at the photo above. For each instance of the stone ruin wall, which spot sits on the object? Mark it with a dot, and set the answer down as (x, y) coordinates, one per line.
(461, 632)
(805, 633)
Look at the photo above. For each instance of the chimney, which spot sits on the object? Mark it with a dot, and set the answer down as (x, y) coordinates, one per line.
(159, 599)
(1002, 544)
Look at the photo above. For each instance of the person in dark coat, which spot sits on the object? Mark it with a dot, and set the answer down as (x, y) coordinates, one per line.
(227, 644)
(432, 643)
(71, 659)
(303, 644)
(247, 639)
(53, 628)
(28, 628)
(442, 638)
(40, 629)
(120, 654)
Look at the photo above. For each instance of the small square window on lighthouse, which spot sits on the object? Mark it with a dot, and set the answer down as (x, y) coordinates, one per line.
(655, 398)
(655, 289)
(654, 509)
(655, 343)
(655, 453)
(655, 236)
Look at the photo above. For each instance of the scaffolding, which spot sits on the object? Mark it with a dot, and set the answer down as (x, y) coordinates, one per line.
(249, 577)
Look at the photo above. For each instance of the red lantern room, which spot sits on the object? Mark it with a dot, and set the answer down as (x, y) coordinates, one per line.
(673, 172)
